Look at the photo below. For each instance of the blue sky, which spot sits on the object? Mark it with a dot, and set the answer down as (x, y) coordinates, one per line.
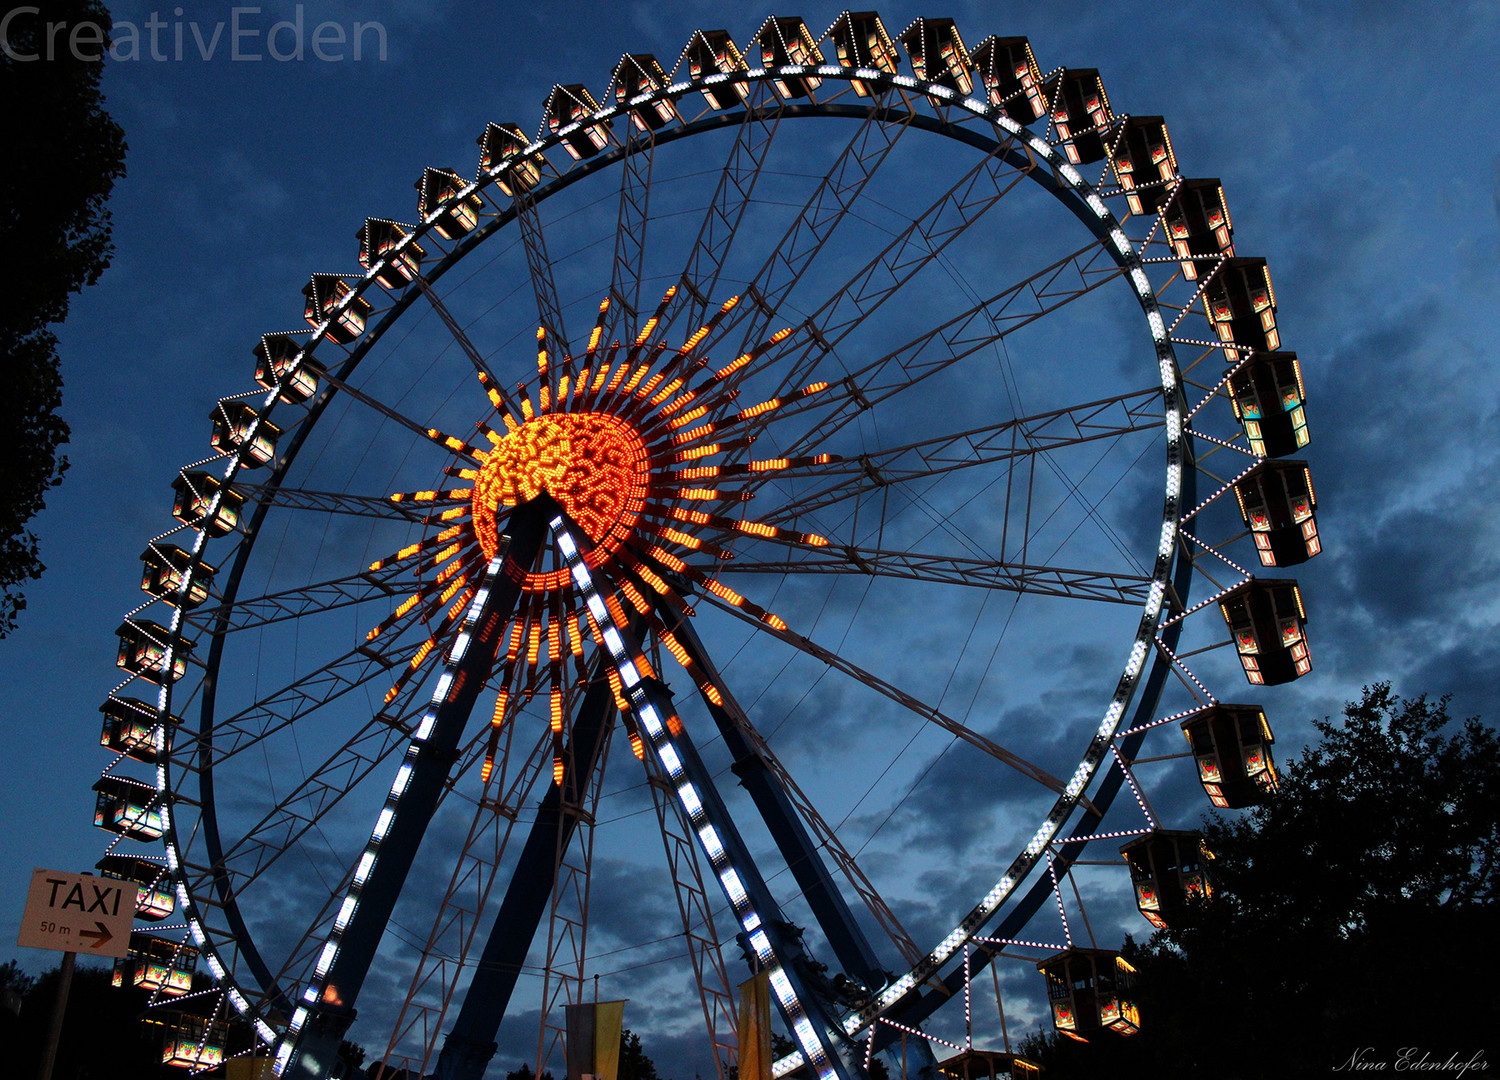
(1354, 144)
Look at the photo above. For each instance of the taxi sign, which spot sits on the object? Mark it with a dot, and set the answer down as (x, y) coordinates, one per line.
(78, 913)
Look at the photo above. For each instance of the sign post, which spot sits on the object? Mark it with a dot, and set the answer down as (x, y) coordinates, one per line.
(74, 913)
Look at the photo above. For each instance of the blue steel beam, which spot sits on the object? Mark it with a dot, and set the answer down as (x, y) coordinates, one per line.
(470, 1043)
(848, 942)
(850, 946)
(329, 1016)
(770, 938)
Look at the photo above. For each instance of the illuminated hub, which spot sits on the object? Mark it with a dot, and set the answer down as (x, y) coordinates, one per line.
(595, 465)
(646, 449)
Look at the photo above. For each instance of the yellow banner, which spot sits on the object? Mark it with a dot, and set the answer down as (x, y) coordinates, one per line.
(754, 1028)
(593, 1046)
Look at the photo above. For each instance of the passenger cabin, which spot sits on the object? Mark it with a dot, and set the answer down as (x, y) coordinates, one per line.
(711, 54)
(638, 74)
(1090, 990)
(785, 41)
(329, 298)
(1008, 73)
(279, 361)
(1268, 623)
(166, 566)
(1198, 227)
(378, 243)
(567, 106)
(976, 1064)
(1169, 870)
(199, 505)
(1144, 163)
(860, 41)
(157, 964)
(128, 808)
(195, 1034)
(1232, 745)
(502, 152)
(1269, 401)
(154, 899)
(130, 728)
(1080, 113)
(938, 55)
(144, 647)
(439, 188)
(1242, 307)
(233, 421)
(1279, 508)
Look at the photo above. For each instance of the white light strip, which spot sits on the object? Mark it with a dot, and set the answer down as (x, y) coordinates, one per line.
(661, 743)
(366, 865)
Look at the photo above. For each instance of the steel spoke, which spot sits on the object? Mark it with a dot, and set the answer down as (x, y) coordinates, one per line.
(330, 595)
(978, 328)
(286, 823)
(732, 197)
(337, 502)
(901, 697)
(1003, 442)
(884, 276)
(630, 235)
(374, 403)
(1077, 584)
(318, 688)
(813, 228)
(539, 266)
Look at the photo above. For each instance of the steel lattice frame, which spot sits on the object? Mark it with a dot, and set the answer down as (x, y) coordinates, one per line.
(298, 1008)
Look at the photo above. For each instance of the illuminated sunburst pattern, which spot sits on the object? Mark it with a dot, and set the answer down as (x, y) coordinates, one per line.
(640, 444)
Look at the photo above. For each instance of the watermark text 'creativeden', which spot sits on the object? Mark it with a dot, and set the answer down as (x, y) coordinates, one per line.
(243, 37)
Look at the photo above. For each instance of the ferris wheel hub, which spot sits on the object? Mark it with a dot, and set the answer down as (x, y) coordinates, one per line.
(593, 463)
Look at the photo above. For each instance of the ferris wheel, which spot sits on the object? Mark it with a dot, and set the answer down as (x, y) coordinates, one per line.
(755, 521)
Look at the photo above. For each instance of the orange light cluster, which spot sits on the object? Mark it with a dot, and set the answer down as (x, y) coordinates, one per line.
(623, 438)
(593, 464)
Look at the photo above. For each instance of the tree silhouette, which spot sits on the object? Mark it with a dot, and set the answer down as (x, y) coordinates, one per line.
(63, 154)
(523, 1072)
(102, 1035)
(634, 1064)
(1353, 921)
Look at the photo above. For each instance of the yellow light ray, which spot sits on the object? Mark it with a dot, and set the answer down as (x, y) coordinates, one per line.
(414, 549)
(450, 495)
(457, 445)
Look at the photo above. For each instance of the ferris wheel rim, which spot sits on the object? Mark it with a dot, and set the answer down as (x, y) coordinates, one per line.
(470, 244)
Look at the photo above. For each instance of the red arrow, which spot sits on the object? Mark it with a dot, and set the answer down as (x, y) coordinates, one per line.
(103, 934)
